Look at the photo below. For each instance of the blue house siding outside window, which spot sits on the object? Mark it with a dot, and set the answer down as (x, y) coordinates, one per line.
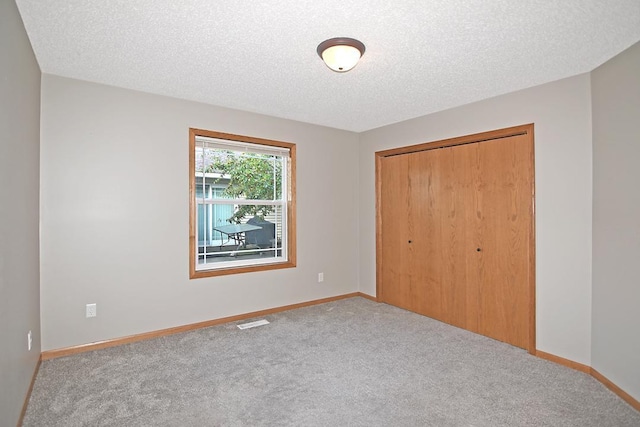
(211, 215)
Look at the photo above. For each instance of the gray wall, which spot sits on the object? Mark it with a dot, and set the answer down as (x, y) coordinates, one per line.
(561, 112)
(616, 220)
(19, 216)
(115, 214)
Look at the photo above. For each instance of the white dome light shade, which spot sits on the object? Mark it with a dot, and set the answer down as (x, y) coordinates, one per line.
(341, 58)
(341, 54)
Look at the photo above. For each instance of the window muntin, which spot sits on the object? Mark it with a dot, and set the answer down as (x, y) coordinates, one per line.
(242, 204)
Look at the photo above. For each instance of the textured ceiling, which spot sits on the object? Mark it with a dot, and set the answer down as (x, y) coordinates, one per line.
(260, 56)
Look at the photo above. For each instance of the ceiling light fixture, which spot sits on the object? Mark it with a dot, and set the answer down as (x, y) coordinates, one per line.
(341, 53)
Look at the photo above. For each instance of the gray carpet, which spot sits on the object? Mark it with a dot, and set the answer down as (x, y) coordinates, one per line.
(347, 363)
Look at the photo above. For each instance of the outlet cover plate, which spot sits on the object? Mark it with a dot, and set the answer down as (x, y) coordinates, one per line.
(92, 310)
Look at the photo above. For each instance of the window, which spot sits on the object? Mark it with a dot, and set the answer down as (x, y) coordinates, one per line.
(242, 204)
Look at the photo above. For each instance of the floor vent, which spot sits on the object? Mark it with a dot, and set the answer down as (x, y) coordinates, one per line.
(253, 324)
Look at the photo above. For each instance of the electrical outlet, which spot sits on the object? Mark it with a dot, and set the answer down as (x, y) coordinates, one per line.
(320, 277)
(29, 341)
(92, 310)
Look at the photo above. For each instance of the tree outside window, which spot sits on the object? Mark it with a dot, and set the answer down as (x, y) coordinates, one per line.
(250, 176)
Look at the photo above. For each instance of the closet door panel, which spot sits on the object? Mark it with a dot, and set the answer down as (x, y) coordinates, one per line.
(426, 233)
(394, 217)
(503, 229)
(453, 239)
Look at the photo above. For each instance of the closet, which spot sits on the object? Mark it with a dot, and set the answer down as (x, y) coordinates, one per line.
(455, 232)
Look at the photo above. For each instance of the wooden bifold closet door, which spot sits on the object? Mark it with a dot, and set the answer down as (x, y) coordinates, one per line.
(455, 235)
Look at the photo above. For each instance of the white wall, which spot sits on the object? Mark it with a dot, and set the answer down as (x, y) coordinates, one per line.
(561, 112)
(115, 214)
(616, 220)
(19, 250)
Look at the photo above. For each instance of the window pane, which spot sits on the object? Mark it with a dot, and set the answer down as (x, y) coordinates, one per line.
(209, 217)
(256, 239)
(246, 175)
